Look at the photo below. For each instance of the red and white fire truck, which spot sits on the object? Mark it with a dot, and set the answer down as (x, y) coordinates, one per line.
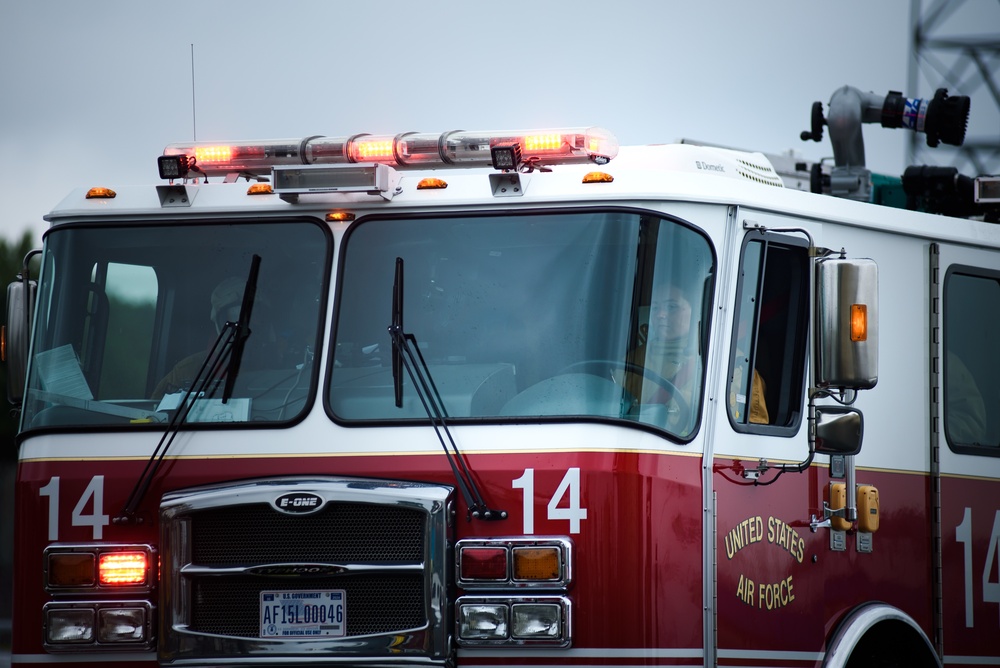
(506, 399)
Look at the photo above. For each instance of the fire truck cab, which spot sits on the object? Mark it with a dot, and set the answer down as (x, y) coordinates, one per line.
(503, 398)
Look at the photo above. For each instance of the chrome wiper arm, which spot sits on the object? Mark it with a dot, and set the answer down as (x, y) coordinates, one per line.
(205, 383)
(222, 360)
(406, 355)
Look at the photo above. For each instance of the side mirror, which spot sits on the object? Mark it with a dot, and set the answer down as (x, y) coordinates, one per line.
(846, 311)
(16, 336)
(839, 430)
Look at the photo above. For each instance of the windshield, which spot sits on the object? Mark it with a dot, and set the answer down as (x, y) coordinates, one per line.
(576, 313)
(127, 316)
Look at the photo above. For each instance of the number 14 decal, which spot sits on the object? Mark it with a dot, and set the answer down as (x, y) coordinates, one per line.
(94, 494)
(570, 486)
(991, 589)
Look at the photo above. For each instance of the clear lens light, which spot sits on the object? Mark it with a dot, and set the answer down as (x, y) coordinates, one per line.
(536, 621)
(483, 622)
(70, 625)
(121, 625)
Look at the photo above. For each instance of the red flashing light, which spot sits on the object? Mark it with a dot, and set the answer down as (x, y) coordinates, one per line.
(483, 563)
(543, 142)
(213, 154)
(372, 150)
(123, 568)
(407, 150)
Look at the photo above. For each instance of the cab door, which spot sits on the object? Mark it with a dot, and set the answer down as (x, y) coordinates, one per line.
(968, 449)
(767, 587)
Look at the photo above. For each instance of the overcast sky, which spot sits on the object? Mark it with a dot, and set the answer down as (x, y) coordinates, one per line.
(91, 92)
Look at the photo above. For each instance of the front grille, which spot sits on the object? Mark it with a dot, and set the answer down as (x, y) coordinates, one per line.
(339, 533)
(385, 544)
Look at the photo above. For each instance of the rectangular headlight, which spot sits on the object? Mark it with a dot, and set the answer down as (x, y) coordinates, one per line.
(69, 625)
(536, 620)
(121, 625)
(482, 621)
(75, 626)
(513, 621)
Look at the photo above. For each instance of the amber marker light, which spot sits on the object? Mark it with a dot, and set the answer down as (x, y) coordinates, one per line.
(123, 568)
(536, 563)
(260, 189)
(101, 193)
(597, 177)
(859, 322)
(339, 217)
(71, 569)
(431, 183)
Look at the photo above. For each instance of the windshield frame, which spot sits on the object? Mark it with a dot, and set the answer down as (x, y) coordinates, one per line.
(312, 236)
(704, 312)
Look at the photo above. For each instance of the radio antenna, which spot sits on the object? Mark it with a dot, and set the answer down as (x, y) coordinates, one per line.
(194, 108)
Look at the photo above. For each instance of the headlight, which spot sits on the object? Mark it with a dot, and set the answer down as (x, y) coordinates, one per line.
(482, 622)
(75, 626)
(515, 621)
(536, 621)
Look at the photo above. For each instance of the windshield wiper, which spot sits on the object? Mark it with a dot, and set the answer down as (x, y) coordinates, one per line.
(222, 359)
(242, 328)
(406, 355)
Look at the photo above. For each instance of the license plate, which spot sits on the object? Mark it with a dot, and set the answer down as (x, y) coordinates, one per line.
(303, 614)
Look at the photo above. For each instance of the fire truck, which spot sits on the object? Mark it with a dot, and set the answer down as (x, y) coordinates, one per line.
(475, 399)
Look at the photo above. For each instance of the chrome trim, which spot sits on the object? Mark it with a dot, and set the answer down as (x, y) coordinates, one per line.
(327, 569)
(426, 645)
(294, 508)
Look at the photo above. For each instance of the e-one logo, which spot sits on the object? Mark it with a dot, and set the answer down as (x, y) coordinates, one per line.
(298, 502)
(709, 167)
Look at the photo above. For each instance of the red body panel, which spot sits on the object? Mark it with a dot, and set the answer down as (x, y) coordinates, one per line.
(637, 566)
(637, 580)
(782, 588)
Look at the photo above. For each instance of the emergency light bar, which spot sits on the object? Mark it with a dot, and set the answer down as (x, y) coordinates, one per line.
(410, 150)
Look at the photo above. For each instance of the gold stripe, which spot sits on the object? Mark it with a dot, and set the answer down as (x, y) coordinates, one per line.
(316, 455)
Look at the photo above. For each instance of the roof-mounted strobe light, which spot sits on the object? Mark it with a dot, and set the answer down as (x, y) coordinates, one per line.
(403, 151)
(173, 167)
(506, 157)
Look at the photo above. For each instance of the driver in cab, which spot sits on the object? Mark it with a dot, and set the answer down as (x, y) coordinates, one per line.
(670, 353)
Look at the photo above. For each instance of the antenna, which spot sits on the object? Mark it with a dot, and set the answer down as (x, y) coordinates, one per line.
(194, 109)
